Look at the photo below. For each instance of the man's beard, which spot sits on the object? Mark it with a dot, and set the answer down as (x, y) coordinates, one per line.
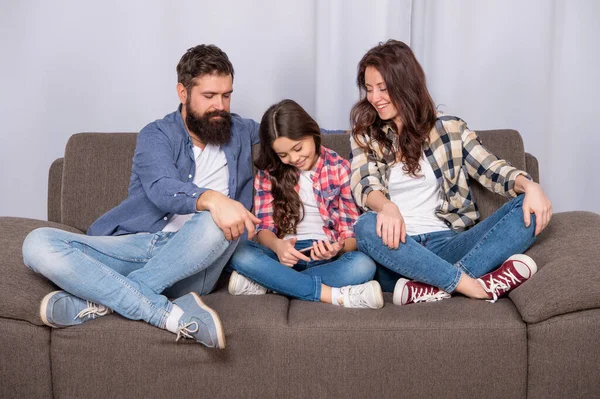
(209, 130)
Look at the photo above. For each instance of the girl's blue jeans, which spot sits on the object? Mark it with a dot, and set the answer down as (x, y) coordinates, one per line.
(303, 281)
(441, 258)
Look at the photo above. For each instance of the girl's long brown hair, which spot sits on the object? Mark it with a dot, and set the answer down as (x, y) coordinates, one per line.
(405, 82)
(285, 119)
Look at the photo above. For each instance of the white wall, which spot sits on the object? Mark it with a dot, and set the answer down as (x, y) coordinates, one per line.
(69, 66)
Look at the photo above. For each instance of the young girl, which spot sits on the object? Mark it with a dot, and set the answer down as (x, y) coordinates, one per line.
(306, 247)
(409, 167)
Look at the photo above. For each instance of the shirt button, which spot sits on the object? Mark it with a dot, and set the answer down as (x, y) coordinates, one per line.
(165, 218)
(190, 176)
(193, 195)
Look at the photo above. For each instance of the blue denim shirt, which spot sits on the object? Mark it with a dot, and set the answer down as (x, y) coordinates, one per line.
(162, 176)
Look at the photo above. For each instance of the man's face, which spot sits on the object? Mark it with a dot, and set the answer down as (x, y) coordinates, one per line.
(206, 108)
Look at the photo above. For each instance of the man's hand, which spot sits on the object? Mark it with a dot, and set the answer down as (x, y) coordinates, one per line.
(229, 215)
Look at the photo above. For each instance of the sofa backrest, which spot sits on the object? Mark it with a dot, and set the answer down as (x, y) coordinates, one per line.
(97, 166)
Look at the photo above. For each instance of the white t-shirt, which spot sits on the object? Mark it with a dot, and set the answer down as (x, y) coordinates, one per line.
(417, 198)
(311, 227)
(211, 172)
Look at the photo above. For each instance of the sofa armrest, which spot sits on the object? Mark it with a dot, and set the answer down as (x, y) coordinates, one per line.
(21, 289)
(568, 259)
(532, 167)
(54, 190)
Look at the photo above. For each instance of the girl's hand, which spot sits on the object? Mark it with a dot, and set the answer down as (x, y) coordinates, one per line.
(536, 202)
(390, 226)
(287, 254)
(323, 250)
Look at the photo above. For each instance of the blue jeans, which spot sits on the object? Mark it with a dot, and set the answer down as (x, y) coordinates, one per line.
(440, 258)
(303, 281)
(132, 274)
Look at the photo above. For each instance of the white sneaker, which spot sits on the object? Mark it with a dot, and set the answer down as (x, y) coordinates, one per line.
(365, 296)
(240, 285)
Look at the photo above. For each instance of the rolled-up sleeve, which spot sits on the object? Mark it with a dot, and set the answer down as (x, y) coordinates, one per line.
(495, 174)
(346, 204)
(263, 202)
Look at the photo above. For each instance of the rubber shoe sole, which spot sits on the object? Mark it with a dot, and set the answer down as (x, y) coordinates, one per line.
(219, 327)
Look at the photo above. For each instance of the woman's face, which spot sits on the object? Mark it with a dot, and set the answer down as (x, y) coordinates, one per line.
(300, 154)
(378, 97)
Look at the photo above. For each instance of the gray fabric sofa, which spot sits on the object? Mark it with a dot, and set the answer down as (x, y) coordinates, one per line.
(543, 341)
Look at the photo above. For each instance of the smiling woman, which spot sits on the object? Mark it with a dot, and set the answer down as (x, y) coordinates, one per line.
(409, 168)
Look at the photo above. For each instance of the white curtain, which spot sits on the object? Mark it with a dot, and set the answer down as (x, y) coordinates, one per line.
(526, 65)
(69, 66)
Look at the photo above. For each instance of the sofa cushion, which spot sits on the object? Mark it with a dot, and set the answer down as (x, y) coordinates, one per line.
(25, 365)
(568, 277)
(122, 351)
(295, 349)
(21, 289)
(564, 354)
(420, 350)
(96, 172)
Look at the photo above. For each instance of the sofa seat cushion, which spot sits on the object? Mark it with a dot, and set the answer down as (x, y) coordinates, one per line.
(25, 360)
(21, 289)
(568, 278)
(459, 345)
(278, 347)
(139, 360)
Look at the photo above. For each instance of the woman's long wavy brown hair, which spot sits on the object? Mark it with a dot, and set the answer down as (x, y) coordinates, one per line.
(405, 82)
(285, 119)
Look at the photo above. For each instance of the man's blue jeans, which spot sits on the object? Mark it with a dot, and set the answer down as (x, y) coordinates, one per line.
(303, 281)
(440, 258)
(133, 274)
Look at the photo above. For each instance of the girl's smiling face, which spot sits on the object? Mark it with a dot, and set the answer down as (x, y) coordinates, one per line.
(300, 154)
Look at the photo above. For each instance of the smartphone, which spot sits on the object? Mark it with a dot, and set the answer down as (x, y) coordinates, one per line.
(307, 249)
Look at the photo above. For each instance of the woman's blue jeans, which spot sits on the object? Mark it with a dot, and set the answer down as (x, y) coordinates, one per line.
(303, 281)
(133, 274)
(440, 258)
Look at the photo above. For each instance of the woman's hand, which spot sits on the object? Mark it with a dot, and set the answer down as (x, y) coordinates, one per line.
(535, 202)
(323, 250)
(390, 225)
(287, 254)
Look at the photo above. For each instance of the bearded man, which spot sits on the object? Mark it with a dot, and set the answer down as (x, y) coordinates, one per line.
(187, 208)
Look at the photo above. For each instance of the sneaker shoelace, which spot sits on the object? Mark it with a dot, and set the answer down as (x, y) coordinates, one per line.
(251, 288)
(186, 330)
(422, 294)
(501, 284)
(92, 310)
(354, 294)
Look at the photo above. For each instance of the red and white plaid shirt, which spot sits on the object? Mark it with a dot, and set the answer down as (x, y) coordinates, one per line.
(331, 185)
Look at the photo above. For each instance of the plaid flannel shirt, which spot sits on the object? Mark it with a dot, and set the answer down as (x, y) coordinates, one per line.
(331, 185)
(453, 152)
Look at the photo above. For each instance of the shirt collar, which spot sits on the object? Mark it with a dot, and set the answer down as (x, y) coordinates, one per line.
(320, 162)
(182, 125)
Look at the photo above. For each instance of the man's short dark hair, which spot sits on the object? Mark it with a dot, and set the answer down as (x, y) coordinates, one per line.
(204, 59)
